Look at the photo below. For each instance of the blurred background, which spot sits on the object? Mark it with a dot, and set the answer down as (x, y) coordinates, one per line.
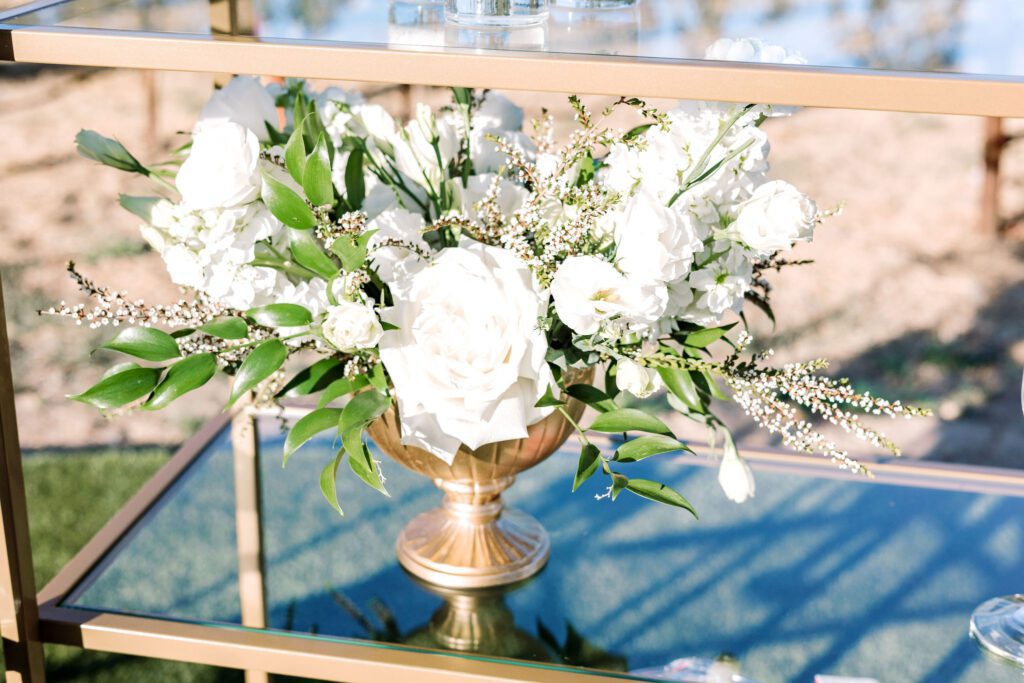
(916, 290)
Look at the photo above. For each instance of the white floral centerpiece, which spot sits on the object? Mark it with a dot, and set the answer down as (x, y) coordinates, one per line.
(461, 266)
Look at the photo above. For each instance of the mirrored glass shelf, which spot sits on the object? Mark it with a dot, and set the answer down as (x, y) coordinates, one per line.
(821, 573)
(950, 56)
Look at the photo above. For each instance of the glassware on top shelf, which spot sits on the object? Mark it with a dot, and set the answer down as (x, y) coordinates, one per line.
(416, 24)
(595, 4)
(997, 625)
(588, 32)
(497, 13)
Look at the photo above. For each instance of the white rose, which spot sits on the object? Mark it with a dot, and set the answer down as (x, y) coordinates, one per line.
(590, 294)
(735, 476)
(244, 286)
(653, 240)
(222, 169)
(775, 217)
(636, 379)
(403, 251)
(244, 101)
(467, 358)
(351, 326)
(498, 113)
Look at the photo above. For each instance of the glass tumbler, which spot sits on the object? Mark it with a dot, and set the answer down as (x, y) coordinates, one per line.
(595, 4)
(508, 13)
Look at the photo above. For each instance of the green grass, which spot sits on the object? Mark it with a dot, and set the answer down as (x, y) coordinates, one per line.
(70, 496)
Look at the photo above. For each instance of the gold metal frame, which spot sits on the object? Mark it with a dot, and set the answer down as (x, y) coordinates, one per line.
(811, 86)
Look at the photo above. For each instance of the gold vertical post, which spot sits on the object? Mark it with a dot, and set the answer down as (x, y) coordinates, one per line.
(19, 612)
(230, 18)
(249, 535)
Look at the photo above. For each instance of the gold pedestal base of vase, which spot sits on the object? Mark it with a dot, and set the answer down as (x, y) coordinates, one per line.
(473, 541)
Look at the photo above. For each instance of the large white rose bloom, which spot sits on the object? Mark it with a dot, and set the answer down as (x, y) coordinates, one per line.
(223, 167)
(653, 240)
(590, 295)
(351, 326)
(244, 101)
(467, 358)
(775, 217)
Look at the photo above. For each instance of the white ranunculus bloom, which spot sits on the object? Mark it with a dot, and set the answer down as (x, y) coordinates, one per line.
(244, 101)
(222, 169)
(775, 217)
(653, 240)
(632, 377)
(590, 295)
(397, 249)
(351, 326)
(735, 476)
(467, 358)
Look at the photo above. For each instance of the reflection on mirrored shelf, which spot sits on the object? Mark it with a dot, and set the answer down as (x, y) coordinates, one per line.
(966, 36)
(813, 576)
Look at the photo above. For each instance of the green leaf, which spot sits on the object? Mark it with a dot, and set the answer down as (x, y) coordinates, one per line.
(619, 482)
(147, 343)
(361, 463)
(316, 377)
(589, 457)
(140, 206)
(341, 387)
(120, 388)
(592, 396)
(120, 367)
(183, 332)
(628, 420)
(378, 380)
(308, 426)
(682, 387)
(280, 315)
(307, 253)
(295, 153)
(329, 484)
(226, 328)
(637, 131)
(713, 387)
(287, 206)
(264, 361)
(363, 409)
(355, 186)
(184, 376)
(352, 250)
(646, 446)
(660, 493)
(548, 400)
(108, 152)
(702, 338)
(462, 96)
(316, 177)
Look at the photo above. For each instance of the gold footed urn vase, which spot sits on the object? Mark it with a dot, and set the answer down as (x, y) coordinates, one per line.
(473, 540)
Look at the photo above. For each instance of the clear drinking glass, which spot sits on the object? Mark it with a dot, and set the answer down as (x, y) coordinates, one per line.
(997, 625)
(595, 4)
(496, 12)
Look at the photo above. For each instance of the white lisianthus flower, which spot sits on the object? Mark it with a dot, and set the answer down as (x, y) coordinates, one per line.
(498, 113)
(653, 240)
(222, 169)
(244, 101)
(720, 287)
(591, 295)
(397, 249)
(735, 476)
(351, 326)
(425, 148)
(334, 106)
(510, 197)
(467, 358)
(775, 217)
(374, 122)
(632, 377)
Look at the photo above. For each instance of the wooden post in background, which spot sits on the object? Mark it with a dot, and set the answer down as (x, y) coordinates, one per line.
(989, 220)
(19, 612)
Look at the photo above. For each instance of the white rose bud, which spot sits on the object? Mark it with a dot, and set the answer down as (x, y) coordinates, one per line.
(775, 217)
(636, 379)
(246, 102)
(735, 476)
(222, 169)
(352, 326)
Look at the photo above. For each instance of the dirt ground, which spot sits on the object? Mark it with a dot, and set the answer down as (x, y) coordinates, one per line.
(906, 295)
